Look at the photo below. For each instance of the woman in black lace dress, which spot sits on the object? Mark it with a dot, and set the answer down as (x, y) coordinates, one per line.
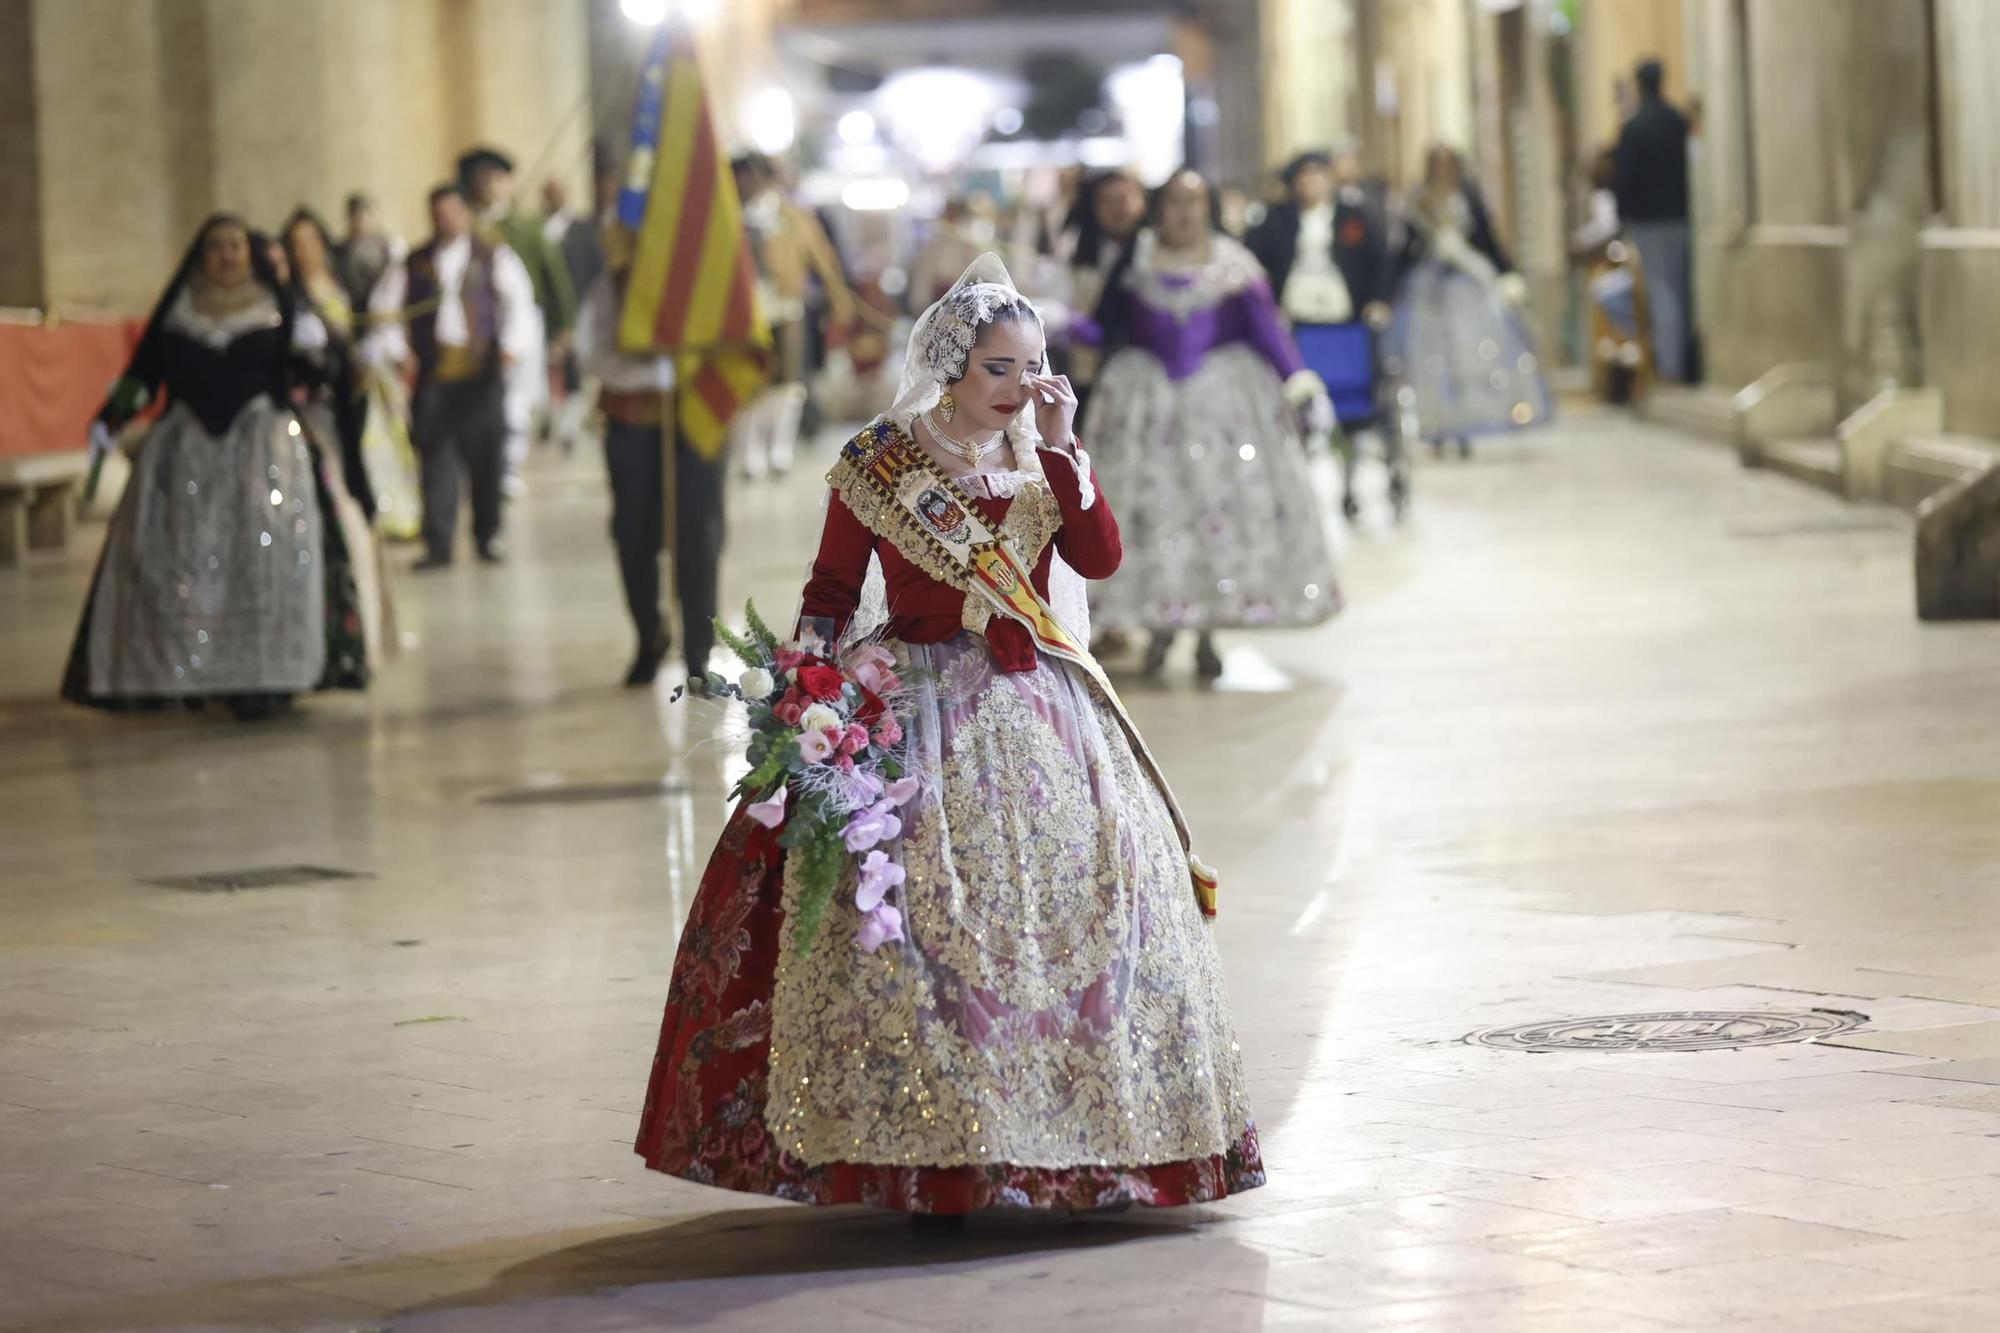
(221, 579)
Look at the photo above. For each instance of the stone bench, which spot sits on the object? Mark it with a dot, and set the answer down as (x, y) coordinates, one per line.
(1958, 546)
(38, 495)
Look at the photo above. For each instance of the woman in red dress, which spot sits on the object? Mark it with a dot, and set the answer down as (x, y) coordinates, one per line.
(1046, 1024)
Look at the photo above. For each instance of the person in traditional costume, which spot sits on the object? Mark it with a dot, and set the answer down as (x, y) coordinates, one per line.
(334, 408)
(1034, 1014)
(390, 461)
(486, 176)
(635, 397)
(1109, 208)
(1326, 251)
(366, 252)
(1468, 360)
(223, 578)
(466, 319)
(1199, 424)
(790, 249)
(340, 398)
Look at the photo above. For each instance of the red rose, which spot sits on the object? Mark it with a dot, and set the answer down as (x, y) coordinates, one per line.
(820, 682)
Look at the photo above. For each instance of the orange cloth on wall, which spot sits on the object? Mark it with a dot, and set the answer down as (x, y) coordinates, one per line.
(53, 380)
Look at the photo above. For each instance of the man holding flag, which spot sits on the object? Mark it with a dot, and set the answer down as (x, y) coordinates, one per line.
(673, 331)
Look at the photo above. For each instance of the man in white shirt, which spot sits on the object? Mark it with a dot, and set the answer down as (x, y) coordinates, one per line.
(467, 314)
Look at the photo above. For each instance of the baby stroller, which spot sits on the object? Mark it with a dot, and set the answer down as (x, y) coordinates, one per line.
(1350, 359)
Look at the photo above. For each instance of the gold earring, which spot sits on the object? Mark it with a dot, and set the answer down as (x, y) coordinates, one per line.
(946, 406)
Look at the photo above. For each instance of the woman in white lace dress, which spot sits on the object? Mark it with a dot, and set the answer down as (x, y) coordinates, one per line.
(1196, 423)
(1046, 1024)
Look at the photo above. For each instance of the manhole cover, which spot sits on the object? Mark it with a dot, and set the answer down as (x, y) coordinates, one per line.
(1694, 1030)
(259, 877)
(584, 793)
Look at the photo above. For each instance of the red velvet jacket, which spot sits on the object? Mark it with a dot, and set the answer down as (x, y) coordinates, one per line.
(922, 610)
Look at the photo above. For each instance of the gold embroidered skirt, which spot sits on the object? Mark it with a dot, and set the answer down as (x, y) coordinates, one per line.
(1058, 1000)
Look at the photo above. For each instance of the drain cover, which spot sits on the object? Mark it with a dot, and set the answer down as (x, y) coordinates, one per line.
(260, 877)
(1693, 1030)
(585, 793)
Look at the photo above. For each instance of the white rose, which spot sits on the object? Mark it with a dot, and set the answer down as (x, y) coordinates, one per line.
(819, 717)
(756, 683)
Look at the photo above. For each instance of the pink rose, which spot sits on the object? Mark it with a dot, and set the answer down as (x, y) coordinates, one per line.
(855, 739)
(770, 812)
(788, 711)
(814, 747)
(889, 733)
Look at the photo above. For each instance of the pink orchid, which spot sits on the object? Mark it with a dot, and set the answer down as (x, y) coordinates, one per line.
(899, 792)
(862, 787)
(878, 927)
(880, 679)
(871, 654)
(770, 812)
(880, 922)
(875, 824)
(814, 747)
(878, 875)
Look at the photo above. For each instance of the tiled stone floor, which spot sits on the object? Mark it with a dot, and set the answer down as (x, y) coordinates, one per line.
(1610, 727)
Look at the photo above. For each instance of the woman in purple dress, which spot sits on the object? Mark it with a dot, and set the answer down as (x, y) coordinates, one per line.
(1197, 428)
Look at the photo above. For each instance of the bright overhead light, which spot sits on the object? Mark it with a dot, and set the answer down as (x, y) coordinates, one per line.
(1008, 120)
(651, 13)
(857, 128)
(937, 114)
(772, 120)
(875, 196)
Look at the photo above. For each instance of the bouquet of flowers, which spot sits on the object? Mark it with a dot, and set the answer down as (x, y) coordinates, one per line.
(824, 751)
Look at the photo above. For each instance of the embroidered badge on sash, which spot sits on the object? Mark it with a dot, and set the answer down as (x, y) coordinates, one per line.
(943, 515)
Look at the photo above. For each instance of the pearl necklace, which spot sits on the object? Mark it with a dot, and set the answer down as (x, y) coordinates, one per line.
(974, 453)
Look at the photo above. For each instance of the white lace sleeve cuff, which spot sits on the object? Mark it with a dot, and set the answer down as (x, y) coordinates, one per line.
(1086, 490)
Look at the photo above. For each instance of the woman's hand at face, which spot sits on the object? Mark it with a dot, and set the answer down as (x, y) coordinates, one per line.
(1055, 409)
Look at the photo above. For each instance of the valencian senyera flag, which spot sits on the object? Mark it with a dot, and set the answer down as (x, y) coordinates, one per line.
(693, 286)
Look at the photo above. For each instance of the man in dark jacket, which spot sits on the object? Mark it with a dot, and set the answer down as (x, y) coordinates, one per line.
(1652, 190)
(1330, 224)
(1326, 250)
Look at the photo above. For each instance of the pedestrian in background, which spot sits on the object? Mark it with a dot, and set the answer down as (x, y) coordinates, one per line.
(1652, 190)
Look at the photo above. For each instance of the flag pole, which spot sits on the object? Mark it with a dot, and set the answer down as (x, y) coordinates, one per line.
(669, 497)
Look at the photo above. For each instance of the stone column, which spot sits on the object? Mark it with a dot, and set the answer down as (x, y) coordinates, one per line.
(1882, 184)
(20, 160)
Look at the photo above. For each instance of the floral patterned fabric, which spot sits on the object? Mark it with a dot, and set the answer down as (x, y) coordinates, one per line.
(1221, 523)
(704, 1118)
